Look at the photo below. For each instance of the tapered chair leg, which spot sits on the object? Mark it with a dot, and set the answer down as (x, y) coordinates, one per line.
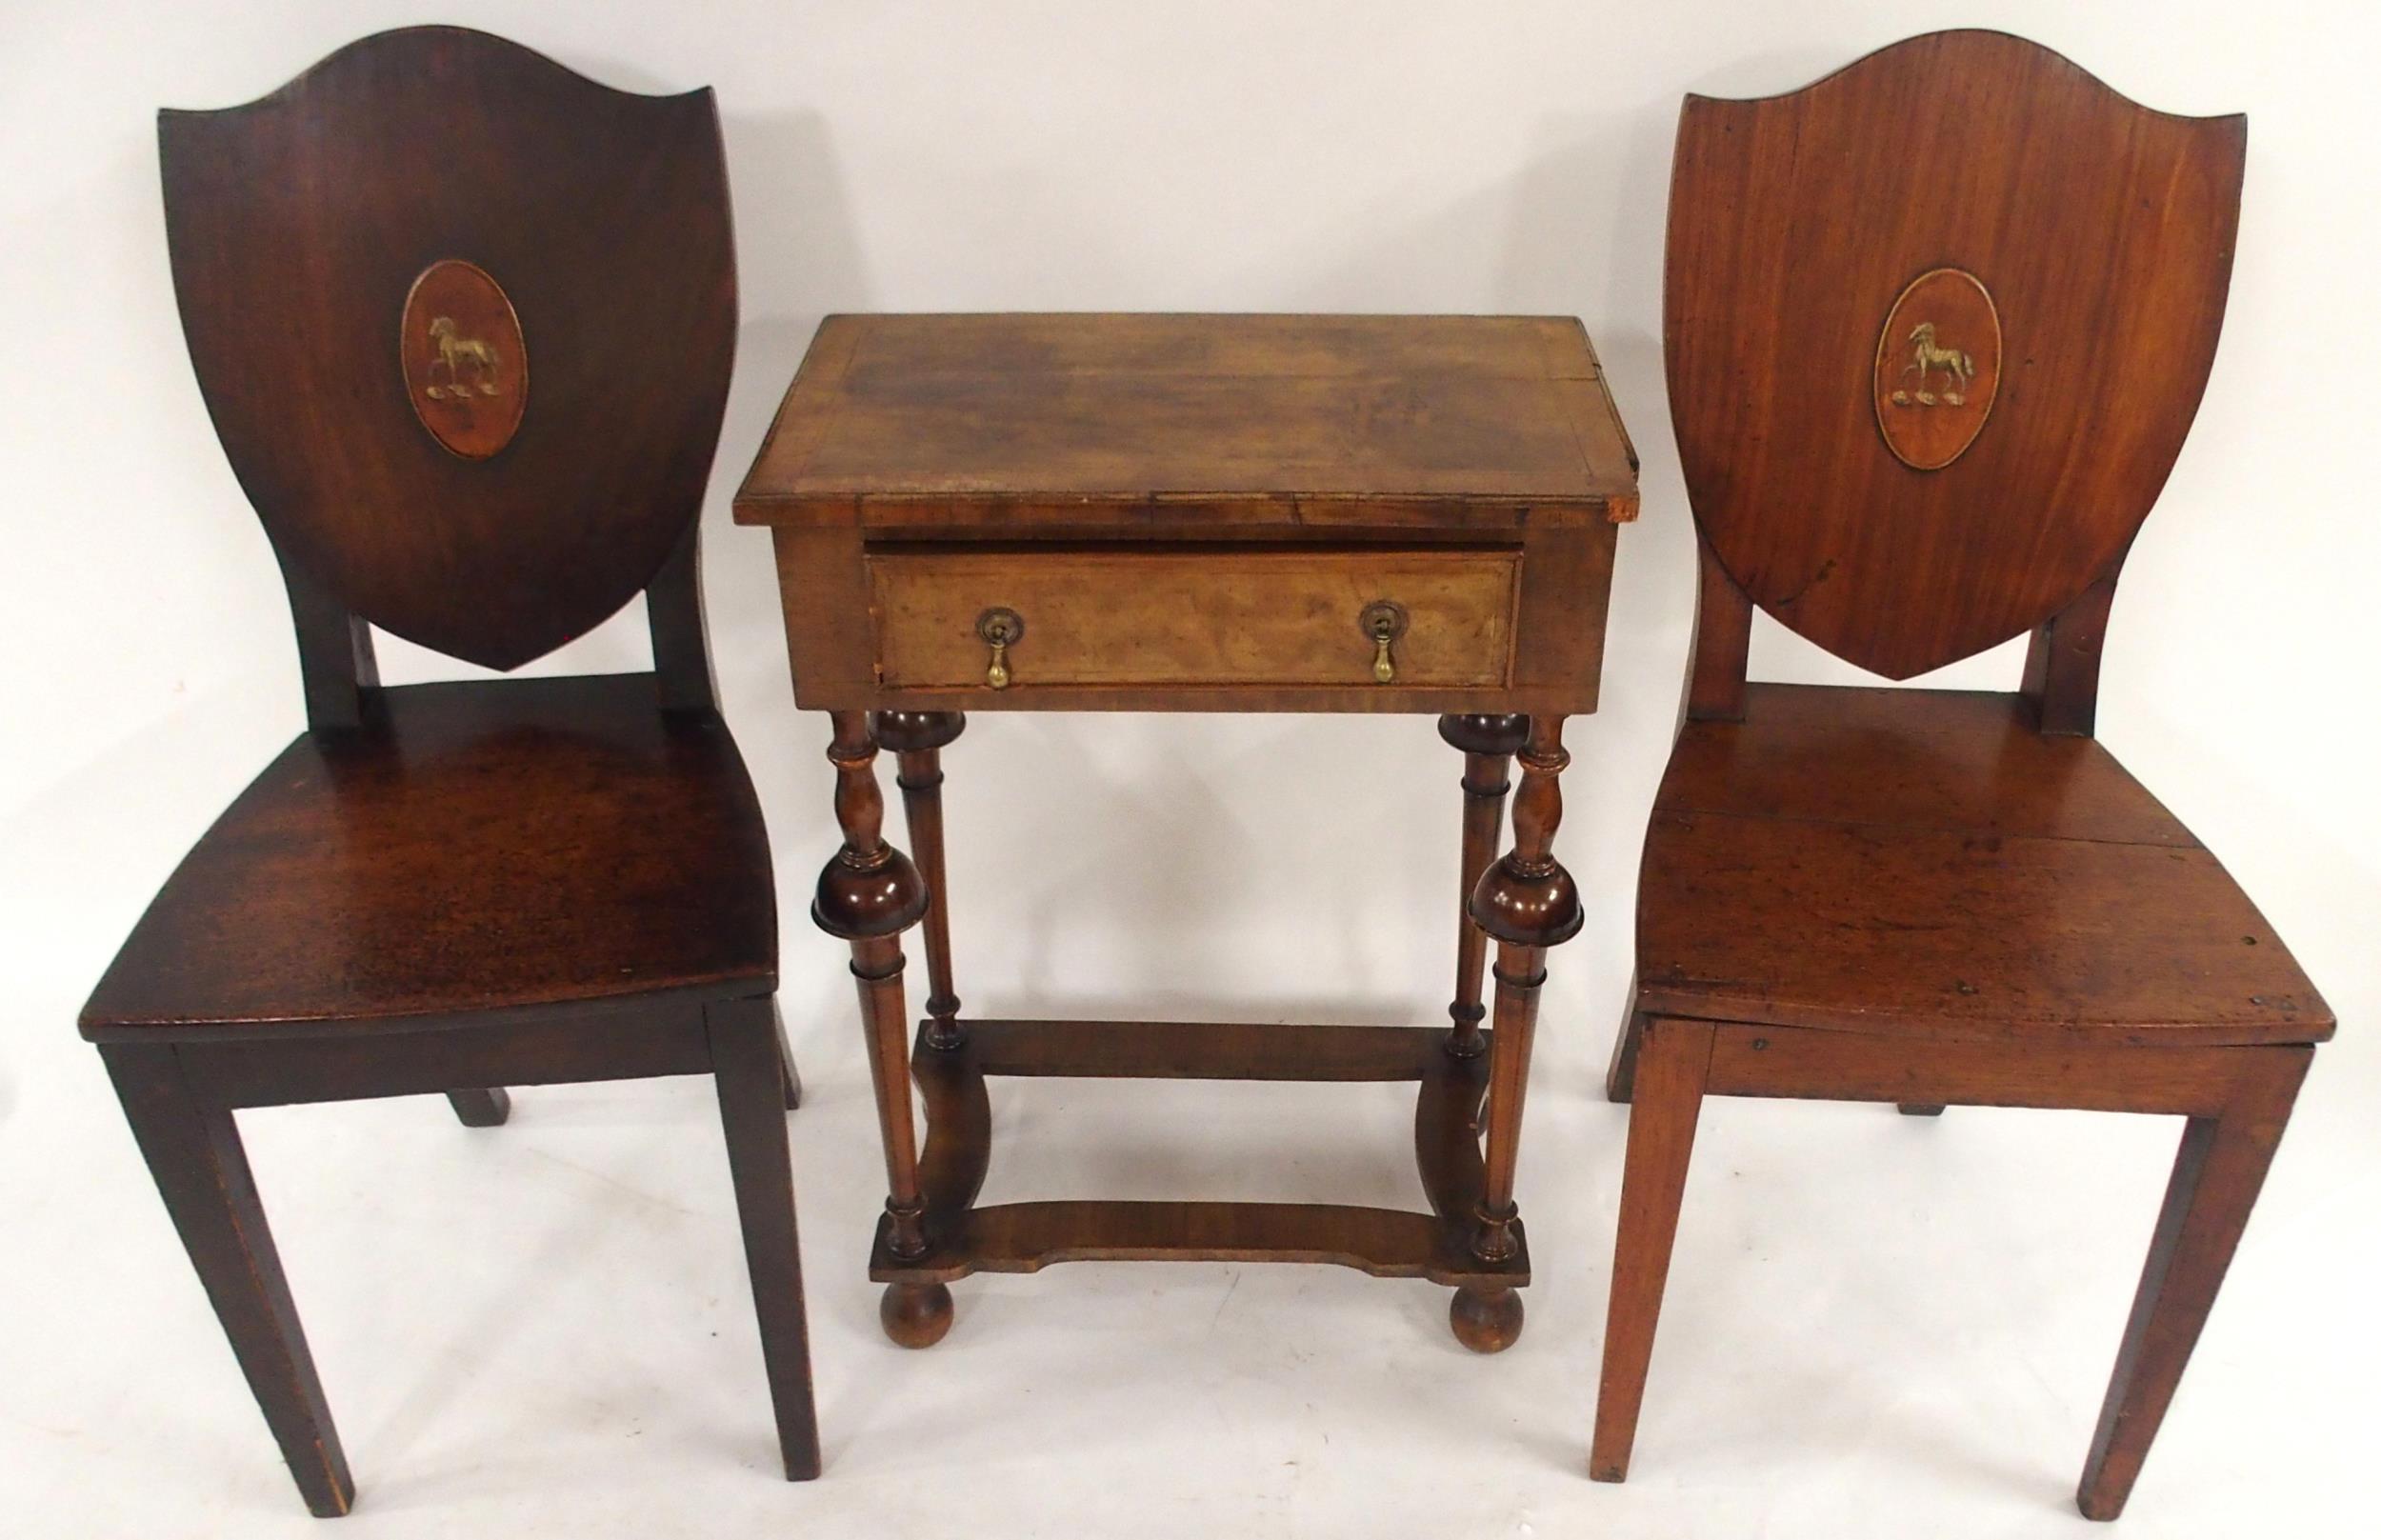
(1674, 1060)
(194, 1151)
(1620, 1074)
(749, 1067)
(785, 1052)
(2217, 1174)
(482, 1108)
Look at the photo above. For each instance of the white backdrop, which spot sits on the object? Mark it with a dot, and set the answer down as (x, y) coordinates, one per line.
(1875, 1326)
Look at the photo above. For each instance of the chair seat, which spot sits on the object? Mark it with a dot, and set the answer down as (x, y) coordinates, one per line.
(472, 847)
(1924, 862)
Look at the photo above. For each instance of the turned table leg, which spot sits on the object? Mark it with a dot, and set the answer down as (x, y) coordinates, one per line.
(869, 893)
(1527, 903)
(917, 740)
(1488, 743)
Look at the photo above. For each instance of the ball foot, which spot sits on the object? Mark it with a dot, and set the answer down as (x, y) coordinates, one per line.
(915, 1315)
(1486, 1320)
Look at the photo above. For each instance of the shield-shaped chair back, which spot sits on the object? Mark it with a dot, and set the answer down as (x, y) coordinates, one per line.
(463, 320)
(1935, 329)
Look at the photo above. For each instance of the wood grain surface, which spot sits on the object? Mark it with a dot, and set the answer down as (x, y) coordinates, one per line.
(1135, 616)
(298, 224)
(2103, 232)
(1926, 862)
(1255, 418)
(480, 844)
(1191, 511)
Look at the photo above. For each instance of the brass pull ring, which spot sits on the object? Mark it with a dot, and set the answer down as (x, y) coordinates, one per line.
(1000, 628)
(1384, 622)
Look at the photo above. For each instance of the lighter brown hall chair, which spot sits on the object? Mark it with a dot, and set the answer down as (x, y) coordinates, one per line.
(464, 321)
(1936, 328)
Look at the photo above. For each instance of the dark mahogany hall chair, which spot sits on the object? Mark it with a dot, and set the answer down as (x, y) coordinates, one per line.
(464, 321)
(1935, 329)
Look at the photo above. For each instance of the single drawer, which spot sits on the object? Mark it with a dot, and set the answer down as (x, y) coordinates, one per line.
(1165, 616)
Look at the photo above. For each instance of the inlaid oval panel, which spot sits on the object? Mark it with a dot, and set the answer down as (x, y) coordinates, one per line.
(1939, 368)
(466, 370)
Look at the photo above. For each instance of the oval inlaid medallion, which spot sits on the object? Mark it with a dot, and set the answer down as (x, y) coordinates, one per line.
(466, 370)
(1939, 368)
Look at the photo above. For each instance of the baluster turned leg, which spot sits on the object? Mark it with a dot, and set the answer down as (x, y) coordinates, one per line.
(918, 738)
(869, 894)
(1488, 743)
(1527, 903)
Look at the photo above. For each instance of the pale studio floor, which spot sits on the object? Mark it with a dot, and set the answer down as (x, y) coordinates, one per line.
(1876, 1326)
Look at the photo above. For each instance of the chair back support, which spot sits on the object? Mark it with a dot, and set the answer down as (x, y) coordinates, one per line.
(463, 320)
(1936, 328)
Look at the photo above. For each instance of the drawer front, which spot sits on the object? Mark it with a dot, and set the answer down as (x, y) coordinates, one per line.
(1170, 617)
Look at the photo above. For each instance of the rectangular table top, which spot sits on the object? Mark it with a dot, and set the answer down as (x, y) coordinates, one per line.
(1449, 420)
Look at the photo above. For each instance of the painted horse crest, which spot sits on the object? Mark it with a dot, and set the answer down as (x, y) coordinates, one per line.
(454, 353)
(1940, 346)
(467, 368)
(1925, 359)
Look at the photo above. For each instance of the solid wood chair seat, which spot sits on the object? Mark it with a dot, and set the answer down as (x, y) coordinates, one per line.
(465, 887)
(358, 878)
(1928, 898)
(1926, 862)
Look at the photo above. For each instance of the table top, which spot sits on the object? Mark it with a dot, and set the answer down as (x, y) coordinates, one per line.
(1444, 420)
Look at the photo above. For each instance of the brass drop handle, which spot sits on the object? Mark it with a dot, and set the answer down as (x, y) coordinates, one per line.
(1384, 622)
(1000, 628)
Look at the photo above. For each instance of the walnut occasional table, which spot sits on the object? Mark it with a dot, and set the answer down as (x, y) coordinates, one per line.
(1197, 513)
